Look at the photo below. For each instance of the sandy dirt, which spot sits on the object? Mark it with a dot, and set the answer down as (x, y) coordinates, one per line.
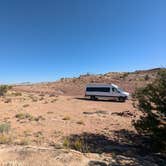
(39, 125)
(63, 115)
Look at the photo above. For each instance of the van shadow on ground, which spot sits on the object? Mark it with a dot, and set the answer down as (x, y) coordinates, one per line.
(126, 144)
(102, 100)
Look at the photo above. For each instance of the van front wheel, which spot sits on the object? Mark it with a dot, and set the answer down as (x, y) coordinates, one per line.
(121, 99)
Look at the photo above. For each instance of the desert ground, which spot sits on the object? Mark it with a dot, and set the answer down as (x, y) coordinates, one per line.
(54, 124)
(41, 124)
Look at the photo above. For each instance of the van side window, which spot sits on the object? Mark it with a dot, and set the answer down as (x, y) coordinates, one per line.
(98, 89)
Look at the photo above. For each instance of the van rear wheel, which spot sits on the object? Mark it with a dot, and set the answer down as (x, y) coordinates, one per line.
(92, 97)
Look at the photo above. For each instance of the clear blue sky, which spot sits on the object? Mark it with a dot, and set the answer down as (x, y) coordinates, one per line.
(43, 40)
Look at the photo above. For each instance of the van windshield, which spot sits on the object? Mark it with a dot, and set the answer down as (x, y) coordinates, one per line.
(117, 89)
(120, 89)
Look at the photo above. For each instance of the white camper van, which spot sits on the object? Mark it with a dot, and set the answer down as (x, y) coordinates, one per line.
(110, 91)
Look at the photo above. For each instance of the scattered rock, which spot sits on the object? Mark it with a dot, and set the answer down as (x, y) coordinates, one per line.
(96, 163)
(96, 112)
(124, 114)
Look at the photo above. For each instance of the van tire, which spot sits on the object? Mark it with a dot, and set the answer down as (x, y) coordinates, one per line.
(121, 99)
(92, 97)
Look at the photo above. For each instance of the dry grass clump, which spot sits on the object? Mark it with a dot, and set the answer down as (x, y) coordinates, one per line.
(88, 142)
(50, 112)
(46, 102)
(33, 98)
(53, 101)
(66, 118)
(41, 98)
(39, 137)
(27, 133)
(26, 105)
(80, 122)
(16, 94)
(27, 116)
(5, 139)
(39, 118)
(4, 130)
(42, 95)
(23, 142)
(38, 134)
(8, 100)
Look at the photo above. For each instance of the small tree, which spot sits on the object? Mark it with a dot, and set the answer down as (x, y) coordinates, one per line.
(152, 102)
(4, 89)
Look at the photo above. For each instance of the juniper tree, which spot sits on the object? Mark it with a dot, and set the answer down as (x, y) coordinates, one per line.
(152, 102)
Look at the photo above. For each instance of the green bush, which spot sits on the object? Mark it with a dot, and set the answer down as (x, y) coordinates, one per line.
(151, 100)
(4, 89)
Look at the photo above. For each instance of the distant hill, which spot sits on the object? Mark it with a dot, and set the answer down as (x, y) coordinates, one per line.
(129, 81)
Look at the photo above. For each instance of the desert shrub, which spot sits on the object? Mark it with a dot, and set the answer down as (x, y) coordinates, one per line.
(17, 94)
(125, 75)
(4, 139)
(22, 116)
(4, 128)
(76, 143)
(147, 77)
(33, 98)
(4, 89)
(151, 100)
(88, 142)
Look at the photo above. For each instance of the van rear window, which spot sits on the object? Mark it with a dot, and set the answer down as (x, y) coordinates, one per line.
(98, 89)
